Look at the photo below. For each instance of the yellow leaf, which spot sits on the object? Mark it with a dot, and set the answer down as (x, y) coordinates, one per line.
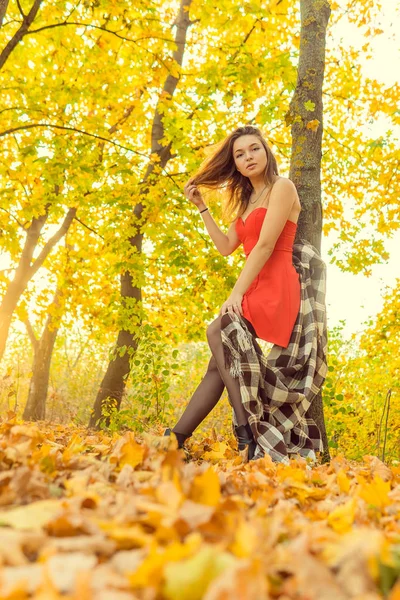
(75, 446)
(313, 125)
(376, 492)
(126, 536)
(132, 454)
(46, 458)
(245, 541)
(342, 518)
(189, 579)
(170, 494)
(343, 481)
(244, 579)
(358, 545)
(288, 473)
(151, 570)
(127, 451)
(32, 517)
(206, 488)
(218, 451)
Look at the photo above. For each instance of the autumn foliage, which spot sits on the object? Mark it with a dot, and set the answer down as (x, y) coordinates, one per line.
(106, 109)
(96, 516)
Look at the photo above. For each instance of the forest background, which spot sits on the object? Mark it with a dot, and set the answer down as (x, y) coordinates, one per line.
(81, 94)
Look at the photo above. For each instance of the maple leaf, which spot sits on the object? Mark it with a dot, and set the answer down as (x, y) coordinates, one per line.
(341, 518)
(376, 493)
(206, 488)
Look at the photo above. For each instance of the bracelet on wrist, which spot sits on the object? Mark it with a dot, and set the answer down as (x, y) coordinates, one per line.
(204, 210)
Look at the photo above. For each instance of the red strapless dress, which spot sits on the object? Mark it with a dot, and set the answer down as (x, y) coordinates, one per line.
(272, 302)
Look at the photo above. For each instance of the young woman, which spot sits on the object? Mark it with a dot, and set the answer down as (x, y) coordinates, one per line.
(267, 293)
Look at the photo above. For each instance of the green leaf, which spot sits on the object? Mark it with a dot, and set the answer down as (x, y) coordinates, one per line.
(309, 105)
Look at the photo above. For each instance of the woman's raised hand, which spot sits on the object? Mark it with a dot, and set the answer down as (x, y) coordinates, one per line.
(193, 194)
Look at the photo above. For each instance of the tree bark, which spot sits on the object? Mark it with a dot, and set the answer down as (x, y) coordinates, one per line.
(26, 269)
(35, 409)
(3, 10)
(113, 385)
(27, 21)
(306, 118)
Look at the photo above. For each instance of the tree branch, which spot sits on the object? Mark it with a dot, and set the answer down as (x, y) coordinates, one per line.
(121, 37)
(31, 334)
(32, 236)
(351, 150)
(3, 10)
(26, 23)
(73, 129)
(64, 23)
(23, 15)
(24, 108)
(89, 228)
(182, 23)
(125, 116)
(53, 240)
(12, 216)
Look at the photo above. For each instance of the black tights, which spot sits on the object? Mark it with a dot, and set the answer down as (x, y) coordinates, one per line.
(210, 389)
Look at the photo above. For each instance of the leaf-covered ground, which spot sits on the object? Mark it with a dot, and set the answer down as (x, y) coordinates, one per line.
(88, 516)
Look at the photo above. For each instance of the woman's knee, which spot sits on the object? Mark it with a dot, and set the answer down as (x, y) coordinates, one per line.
(214, 330)
(212, 365)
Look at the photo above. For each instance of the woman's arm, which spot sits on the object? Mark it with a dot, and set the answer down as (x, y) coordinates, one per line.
(225, 243)
(253, 265)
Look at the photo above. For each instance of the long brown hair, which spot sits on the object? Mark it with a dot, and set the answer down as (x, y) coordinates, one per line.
(220, 169)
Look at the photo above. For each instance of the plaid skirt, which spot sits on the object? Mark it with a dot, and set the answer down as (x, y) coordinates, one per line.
(278, 389)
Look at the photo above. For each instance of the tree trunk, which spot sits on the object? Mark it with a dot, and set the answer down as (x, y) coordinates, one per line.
(113, 385)
(3, 10)
(35, 409)
(26, 269)
(306, 118)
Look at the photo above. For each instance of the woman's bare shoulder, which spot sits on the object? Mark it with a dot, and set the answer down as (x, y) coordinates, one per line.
(287, 184)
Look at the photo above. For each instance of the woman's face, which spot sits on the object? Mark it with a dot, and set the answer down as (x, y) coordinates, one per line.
(249, 155)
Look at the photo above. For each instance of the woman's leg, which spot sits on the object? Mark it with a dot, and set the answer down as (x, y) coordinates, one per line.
(232, 384)
(210, 389)
(205, 397)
